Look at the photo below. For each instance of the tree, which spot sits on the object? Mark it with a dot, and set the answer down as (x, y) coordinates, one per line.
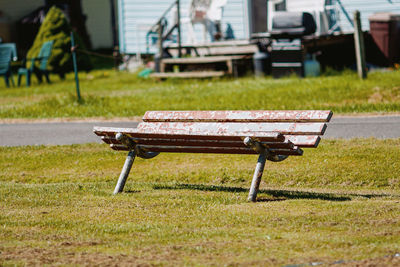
(55, 27)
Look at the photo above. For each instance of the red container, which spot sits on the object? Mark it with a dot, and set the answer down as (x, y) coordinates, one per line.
(385, 30)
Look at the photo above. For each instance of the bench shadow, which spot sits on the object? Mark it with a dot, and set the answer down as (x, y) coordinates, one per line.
(278, 195)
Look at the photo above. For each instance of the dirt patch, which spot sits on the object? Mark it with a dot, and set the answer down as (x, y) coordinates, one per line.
(57, 256)
(64, 255)
(376, 97)
(384, 96)
(384, 261)
(80, 244)
(393, 260)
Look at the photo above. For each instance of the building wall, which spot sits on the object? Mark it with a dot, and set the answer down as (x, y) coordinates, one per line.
(346, 9)
(304, 4)
(367, 8)
(16, 9)
(98, 22)
(137, 16)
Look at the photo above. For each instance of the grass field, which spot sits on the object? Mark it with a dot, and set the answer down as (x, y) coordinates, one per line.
(107, 93)
(338, 202)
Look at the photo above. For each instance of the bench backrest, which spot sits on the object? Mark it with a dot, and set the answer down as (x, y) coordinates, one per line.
(302, 127)
(239, 116)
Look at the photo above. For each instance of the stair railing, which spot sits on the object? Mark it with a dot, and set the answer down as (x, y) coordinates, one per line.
(160, 28)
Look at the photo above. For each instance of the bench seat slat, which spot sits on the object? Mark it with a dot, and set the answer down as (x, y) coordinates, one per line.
(239, 116)
(311, 141)
(229, 128)
(182, 142)
(298, 140)
(215, 150)
(233, 136)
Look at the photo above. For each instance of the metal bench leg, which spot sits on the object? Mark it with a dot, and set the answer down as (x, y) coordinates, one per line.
(125, 172)
(255, 184)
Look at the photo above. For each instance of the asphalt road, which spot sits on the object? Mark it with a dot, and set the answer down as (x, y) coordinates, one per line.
(21, 134)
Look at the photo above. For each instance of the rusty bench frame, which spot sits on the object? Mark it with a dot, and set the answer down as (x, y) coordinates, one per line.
(273, 135)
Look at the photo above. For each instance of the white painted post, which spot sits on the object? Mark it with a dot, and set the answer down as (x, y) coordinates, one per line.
(255, 184)
(125, 172)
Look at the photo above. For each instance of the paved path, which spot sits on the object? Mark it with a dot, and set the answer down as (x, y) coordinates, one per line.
(81, 132)
(60, 133)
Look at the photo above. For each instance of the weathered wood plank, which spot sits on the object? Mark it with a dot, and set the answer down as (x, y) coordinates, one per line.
(213, 150)
(199, 60)
(189, 74)
(232, 136)
(230, 128)
(111, 131)
(304, 140)
(239, 116)
(298, 140)
(182, 142)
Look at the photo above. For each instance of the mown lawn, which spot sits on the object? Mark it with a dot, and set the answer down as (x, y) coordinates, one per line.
(107, 93)
(338, 202)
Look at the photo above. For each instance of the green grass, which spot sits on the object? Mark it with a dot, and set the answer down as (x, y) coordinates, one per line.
(337, 202)
(107, 93)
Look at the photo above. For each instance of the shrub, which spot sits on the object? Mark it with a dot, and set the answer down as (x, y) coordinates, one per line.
(56, 27)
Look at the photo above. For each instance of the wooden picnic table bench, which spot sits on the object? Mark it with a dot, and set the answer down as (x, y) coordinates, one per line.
(273, 135)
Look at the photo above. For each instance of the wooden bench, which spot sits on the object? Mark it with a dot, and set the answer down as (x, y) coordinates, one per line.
(273, 135)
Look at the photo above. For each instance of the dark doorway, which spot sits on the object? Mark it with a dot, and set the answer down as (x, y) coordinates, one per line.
(259, 16)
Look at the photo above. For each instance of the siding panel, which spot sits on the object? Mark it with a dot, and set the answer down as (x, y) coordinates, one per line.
(136, 18)
(367, 8)
(346, 9)
(98, 22)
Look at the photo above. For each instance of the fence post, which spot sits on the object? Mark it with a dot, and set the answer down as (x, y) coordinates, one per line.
(178, 6)
(359, 44)
(159, 56)
(73, 48)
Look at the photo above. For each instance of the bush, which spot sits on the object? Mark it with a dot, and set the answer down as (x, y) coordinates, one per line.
(56, 28)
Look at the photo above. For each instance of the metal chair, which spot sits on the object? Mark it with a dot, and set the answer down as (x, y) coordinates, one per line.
(43, 58)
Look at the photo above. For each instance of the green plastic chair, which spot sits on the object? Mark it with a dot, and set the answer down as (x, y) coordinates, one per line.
(13, 47)
(43, 58)
(5, 64)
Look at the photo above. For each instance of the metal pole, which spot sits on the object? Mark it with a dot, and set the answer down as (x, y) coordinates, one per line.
(359, 44)
(179, 28)
(125, 172)
(73, 48)
(255, 183)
